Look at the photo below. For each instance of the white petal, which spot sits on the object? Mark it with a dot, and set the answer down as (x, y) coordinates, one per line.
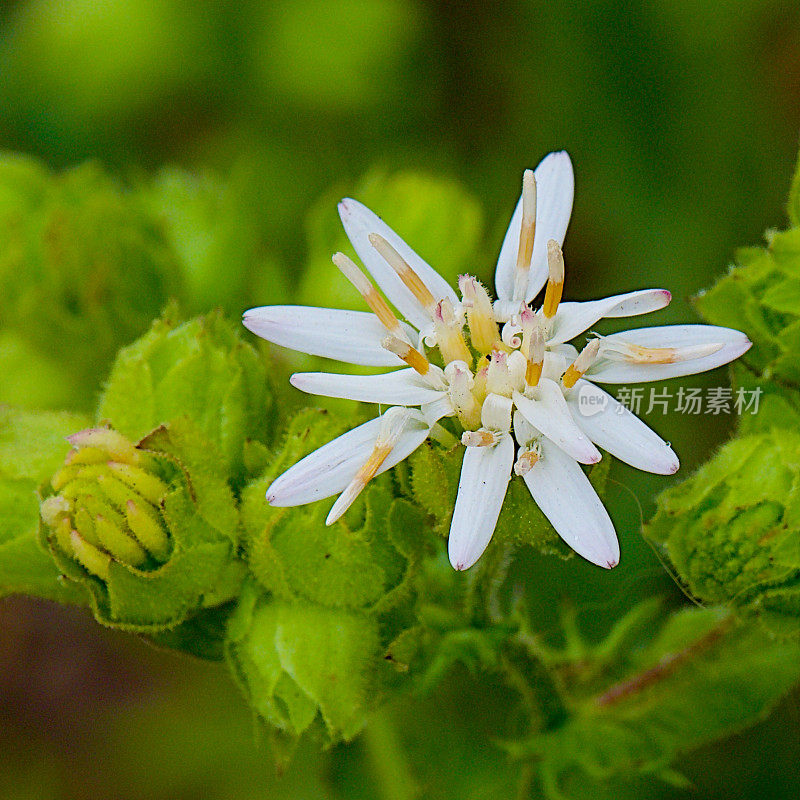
(401, 388)
(550, 414)
(612, 426)
(485, 473)
(330, 469)
(353, 337)
(555, 187)
(573, 319)
(734, 342)
(567, 498)
(359, 222)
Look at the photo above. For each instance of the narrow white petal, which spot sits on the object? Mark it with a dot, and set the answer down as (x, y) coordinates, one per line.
(612, 426)
(359, 222)
(485, 473)
(550, 414)
(330, 469)
(734, 344)
(555, 186)
(567, 498)
(404, 387)
(573, 319)
(353, 337)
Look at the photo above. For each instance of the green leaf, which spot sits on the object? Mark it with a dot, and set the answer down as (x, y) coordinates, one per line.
(359, 562)
(701, 678)
(201, 371)
(82, 269)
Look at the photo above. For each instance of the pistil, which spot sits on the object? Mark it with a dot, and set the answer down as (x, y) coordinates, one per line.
(526, 234)
(555, 281)
(364, 286)
(585, 359)
(405, 272)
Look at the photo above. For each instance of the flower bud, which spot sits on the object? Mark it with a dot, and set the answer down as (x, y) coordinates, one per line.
(731, 529)
(151, 541)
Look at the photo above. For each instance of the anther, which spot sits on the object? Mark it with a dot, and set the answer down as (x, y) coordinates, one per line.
(483, 330)
(405, 272)
(526, 234)
(526, 460)
(479, 438)
(460, 384)
(578, 367)
(407, 353)
(449, 338)
(370, 294)
(555, 281)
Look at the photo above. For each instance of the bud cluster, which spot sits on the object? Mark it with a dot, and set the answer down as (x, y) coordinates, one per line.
(107, 506)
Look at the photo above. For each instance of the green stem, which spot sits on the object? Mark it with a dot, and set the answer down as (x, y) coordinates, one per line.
(387, 759)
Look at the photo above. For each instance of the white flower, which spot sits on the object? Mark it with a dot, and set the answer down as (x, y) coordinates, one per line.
(518, 392)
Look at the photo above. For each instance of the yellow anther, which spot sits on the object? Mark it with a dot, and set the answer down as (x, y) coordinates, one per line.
(555, 281)
(410, 278)
(479, 438)
(526, 235)
(483, 330)
(584, 360)
(449, 338)
(526, 460)
(364, 286)
(407, 353)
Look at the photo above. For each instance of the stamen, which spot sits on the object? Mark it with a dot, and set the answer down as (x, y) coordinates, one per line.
(407, 353)
(410, 278)
(370, 294)
(578, 367)
(393, 424)
(526, 460)
(483, 329)
(555, 281)
(620, 350)
(449, 338)
(460, 385)
(497, 377)
(533, 346)
(479, 438)
(526, 234)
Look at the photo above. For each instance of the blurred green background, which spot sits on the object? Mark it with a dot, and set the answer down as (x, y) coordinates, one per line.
(681, 117)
